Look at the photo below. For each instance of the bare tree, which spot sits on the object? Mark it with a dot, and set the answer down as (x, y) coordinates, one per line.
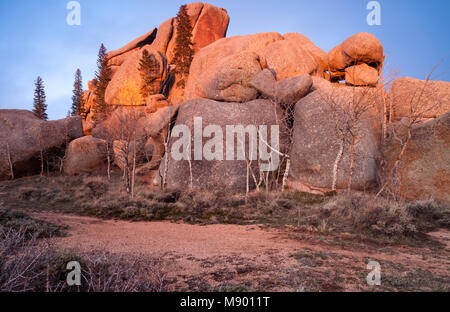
(416, 113)
(11, 167)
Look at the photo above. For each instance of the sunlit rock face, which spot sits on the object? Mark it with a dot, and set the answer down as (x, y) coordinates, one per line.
(210, 23)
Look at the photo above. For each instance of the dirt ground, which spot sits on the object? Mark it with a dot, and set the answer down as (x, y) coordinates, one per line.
(253, 258)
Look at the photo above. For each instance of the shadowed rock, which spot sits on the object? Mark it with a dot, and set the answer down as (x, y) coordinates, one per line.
(224, 175)
(316, 143)
(85, 155)
(23, 137)
(424, 170)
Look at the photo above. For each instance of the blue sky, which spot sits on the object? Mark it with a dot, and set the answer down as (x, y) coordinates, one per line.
(36, 40)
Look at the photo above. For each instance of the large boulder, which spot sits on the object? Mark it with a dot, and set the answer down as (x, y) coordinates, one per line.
(85, 155)
(359, 48)
(428, 99)
(423, 172)
(230, 79)
(229, 175)
(286, 56)
(292, 57)
(23, 137)
(321, 120)
(208, 58)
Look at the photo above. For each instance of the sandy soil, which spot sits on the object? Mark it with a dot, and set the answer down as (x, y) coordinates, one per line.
(204, 257)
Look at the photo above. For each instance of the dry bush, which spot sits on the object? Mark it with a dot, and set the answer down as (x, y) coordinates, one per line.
(20, 221)
(362, 214)
(28, 264)
(23, 261)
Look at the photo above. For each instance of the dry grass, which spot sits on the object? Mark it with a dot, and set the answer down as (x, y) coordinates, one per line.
(31, 265)
(354, 213)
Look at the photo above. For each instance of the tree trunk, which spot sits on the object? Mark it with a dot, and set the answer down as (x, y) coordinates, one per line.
(352, 157)
(133, 171)
(108, 160)
(286, 174)
(11, 167)
(42, 162)
(336, 164)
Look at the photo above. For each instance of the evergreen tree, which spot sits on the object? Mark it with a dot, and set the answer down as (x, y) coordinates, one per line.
(149, 69)
(184, 53)
(40, 105)
(77, 98)
(103, 77)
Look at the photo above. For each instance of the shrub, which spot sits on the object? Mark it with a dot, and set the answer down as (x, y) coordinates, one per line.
(30, 265)
(18, 220)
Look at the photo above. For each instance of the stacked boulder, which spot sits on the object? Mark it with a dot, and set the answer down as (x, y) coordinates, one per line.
(358, 61)
(291, 73)
(224, 70)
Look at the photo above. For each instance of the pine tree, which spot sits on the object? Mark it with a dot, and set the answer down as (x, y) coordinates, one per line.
(149, 69)
(40, 105)
(103, 77)
(77, 98)
(184, 53)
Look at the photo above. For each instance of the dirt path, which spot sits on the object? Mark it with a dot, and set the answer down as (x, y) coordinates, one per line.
(229, 254)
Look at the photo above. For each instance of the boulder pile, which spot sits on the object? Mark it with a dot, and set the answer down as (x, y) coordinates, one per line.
(315, 121)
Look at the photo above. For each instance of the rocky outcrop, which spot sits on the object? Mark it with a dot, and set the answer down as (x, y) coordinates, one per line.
(23, 137)
(85, 155)
(317, 142)
(362, 48)
(241, 58)
(219, 172)
(427, 99)
(423, 172)
(210, 23)
(124, 89)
